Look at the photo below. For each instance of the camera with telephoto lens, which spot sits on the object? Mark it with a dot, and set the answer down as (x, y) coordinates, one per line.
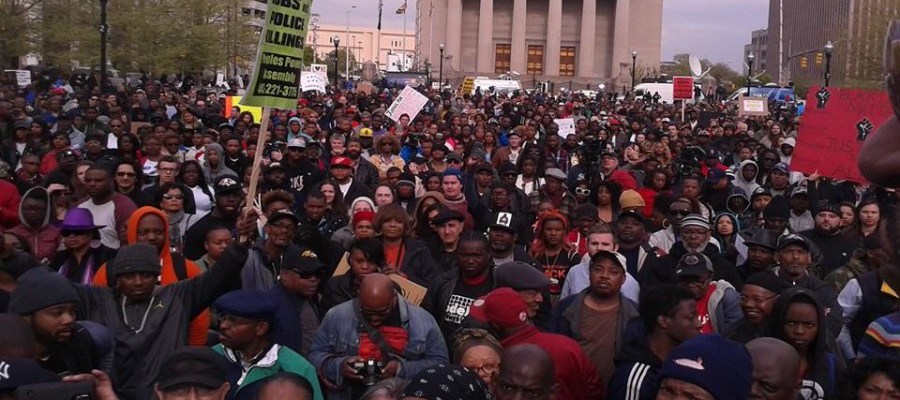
(370, 370)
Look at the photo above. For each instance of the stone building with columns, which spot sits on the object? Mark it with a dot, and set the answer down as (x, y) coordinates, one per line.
(584, 42)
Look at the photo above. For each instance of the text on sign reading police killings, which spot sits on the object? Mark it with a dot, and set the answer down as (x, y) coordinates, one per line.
(276, 78)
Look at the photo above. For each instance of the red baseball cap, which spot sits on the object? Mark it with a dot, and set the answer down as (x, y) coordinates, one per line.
(341, 161)
(502, 307)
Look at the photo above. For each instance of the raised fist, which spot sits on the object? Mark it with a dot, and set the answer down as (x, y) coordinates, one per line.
(822, 96)
(863, 129)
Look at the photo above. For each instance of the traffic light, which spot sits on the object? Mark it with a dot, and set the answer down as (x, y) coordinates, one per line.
(804, 62)
(819, 57)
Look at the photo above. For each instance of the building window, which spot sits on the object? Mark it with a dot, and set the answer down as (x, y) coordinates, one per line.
(502, 57)
(535, 60)
(567, 61)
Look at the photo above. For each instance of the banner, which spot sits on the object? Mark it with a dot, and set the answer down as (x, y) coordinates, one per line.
(682, 88)
(276, 77)
(409, 102)
(835, 124)
(566, 127)
(235, 101)
(23, 76)
(312, 81)
(757, 106)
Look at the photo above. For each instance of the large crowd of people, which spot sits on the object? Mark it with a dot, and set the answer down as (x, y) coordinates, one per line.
(470, 251)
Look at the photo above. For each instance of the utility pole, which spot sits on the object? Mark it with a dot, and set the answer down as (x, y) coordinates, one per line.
(104, 29)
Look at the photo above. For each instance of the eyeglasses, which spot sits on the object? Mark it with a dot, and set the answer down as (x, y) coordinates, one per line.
(582, 191)
(126, 174)
(756, 299)
(173, 196)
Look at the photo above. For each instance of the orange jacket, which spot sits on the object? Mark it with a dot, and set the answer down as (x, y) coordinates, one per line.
(200, 325)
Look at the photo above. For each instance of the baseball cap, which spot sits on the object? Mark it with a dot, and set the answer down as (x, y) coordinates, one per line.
(303, 261)
(196, 366)
(21, 372)
(792, 238)
(693, 264)
(633, 214)
(715, 175)
(720, 366)
(341, 161)
(781, 167)
(452, 157)
(503, 220)
(282, 214)
(297, 142)
(484, 167)
(618, 257)
(502, 307)
(365, 132)
(227, 183)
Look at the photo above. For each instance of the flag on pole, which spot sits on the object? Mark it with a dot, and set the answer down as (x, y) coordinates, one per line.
(402, 9)
(380, 8)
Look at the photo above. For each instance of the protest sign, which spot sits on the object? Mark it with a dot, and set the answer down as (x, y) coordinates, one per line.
(410, 290)
(279, 60)
(234, 101)
(835, 124)
(682, 88)
(23, 76)
(320, 69)
(135, 126)
(312, 81)
(365, 87)
(409, 102)
(756, 106)
(220, 79)
(566, 127)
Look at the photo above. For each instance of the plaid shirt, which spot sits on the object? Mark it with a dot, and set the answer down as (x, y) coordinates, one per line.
(560, 157)
(566, 207)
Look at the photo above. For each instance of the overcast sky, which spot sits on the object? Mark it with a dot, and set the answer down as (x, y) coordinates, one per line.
(713, 29)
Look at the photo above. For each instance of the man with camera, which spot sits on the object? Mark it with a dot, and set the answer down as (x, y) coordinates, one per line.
(377, 336)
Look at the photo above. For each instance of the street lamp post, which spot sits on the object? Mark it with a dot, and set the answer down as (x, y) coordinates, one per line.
(349, 43)
(750, 58)
(337, 44)
(633, 70)
(829, 49)
(104, 29)
(441, 67)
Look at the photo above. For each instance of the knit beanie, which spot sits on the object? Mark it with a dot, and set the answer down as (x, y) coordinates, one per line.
(139, 257)
(720, 366)
(777, 208)
(39, 288)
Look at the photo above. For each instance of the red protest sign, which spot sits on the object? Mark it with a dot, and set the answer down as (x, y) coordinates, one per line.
(682, 88)
(835, 124)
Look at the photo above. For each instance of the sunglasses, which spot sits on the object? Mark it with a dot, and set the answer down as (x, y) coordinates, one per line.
(126, 174)
(173, 196)
(582, 191)
(682, 213)
(73, 233)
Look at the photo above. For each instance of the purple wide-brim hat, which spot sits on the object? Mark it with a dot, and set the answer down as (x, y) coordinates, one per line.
(78, 219)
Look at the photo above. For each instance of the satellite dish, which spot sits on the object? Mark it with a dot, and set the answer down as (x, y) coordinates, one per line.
(696, 67)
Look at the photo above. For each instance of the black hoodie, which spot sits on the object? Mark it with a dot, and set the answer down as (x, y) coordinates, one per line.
(824, 362)
(637, 368)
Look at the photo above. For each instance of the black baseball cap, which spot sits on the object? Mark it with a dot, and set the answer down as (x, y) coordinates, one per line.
(227, 183)
(302, 261)
(194, 366)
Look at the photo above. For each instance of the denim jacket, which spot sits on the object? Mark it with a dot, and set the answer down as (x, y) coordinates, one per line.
(338, 338)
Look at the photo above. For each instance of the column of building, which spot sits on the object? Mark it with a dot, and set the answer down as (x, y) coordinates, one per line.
(485, 37)
(518, 54)
(554, 37)
(454, 33)
(585, 65)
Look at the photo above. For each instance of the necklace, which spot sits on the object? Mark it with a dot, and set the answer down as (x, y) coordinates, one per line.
(547, 258)
(143, 320)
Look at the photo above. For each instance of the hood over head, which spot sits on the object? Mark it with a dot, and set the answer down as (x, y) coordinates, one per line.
(38, 192)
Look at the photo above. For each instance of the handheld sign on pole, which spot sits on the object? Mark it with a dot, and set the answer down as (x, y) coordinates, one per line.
(276, 76)
(683, 89)
(409, 102)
